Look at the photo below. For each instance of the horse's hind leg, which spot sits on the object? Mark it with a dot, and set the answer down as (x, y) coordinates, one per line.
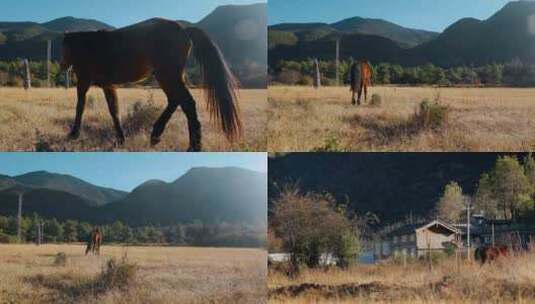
(172, 105)
(111, 98)
(82, 88)
(194, 126)
(360, 92)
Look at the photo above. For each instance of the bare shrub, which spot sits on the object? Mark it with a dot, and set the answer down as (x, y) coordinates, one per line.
(376, 100)
(141, 116)
(117, 275)
(60, 259)
(431, 115)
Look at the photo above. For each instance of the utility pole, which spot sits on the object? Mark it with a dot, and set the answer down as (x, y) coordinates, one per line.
(27, 75)
(19, 219)
(493, 239)
(469, 244)
(68, 78)
(317, 75)
(338, 62)
(48, 61)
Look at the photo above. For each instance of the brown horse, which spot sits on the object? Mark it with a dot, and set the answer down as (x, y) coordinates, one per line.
(360, 79)
(491, 253)
(94, 241)
(160, 47)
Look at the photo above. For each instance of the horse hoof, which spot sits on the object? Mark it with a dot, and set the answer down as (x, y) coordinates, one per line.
(120, 141)
(194, 149)
(74, 135)
(154, 141)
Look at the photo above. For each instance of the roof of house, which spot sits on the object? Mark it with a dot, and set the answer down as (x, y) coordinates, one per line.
(411, 228)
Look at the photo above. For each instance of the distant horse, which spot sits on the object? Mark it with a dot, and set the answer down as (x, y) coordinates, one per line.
(360, 79)
(491, 253)
(159, 46)
(94, 241)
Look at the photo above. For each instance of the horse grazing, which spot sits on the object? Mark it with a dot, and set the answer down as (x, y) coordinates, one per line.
(489, 254)
(94, 241)
(360, 79)
(160, 47)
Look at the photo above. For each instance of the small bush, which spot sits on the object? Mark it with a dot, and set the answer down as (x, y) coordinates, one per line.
(141, 116)
(60, 259)
(431, 115)
(42, 144)
(117, 274)
(331, 144)
(289, 77)
(306, 81)
(376, 100)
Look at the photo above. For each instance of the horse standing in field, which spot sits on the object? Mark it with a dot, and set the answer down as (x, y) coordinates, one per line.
(489, 254)
(94, 241)
(360, 79)
(160, 47)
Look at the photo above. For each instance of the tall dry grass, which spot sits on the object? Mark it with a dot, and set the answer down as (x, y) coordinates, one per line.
(29, 274)
(479, 119)
(39, 119)
(509, 280)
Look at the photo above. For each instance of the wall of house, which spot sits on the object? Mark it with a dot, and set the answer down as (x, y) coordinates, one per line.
(427, 239)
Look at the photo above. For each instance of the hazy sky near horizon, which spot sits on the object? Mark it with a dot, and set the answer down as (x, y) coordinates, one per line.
(125, 171)
(434, 15)
(117, 13)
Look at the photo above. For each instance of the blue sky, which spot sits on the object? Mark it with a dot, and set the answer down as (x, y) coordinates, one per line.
(114, 12)
(433, 15)
(125, 171)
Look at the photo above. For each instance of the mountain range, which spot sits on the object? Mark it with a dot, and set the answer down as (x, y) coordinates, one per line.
(239, 30)
(210, 195)
(391, 185)
(507, 35)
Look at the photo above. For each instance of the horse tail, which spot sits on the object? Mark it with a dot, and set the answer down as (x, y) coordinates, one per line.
(220, 84)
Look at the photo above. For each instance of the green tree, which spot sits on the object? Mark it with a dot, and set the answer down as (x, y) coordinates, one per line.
(310, 225)
(53, 231)
(485, 197)
(70, 231)
(512, 186)
(451, 203)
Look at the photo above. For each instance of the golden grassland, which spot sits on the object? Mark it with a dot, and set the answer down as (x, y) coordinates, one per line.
(509, 280)
(40, 118)
(480, 119)
(165, 275)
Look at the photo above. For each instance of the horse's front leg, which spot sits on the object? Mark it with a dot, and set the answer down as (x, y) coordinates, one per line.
(82, 88)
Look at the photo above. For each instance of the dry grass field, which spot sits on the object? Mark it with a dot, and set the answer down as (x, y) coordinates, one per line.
(479, 119)
(510, 280)
(28, 274)
(39, 119)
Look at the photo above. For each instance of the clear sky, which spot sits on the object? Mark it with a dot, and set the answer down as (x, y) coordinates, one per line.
(114, 12)
(433, 15)
(125, 171)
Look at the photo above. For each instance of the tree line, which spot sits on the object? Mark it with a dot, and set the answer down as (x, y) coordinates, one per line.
(506, 192)
(514, 73)
(196, 233)
(12, 75)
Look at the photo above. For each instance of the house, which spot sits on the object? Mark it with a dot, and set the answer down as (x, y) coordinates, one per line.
(488, 232)
(416, 240)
